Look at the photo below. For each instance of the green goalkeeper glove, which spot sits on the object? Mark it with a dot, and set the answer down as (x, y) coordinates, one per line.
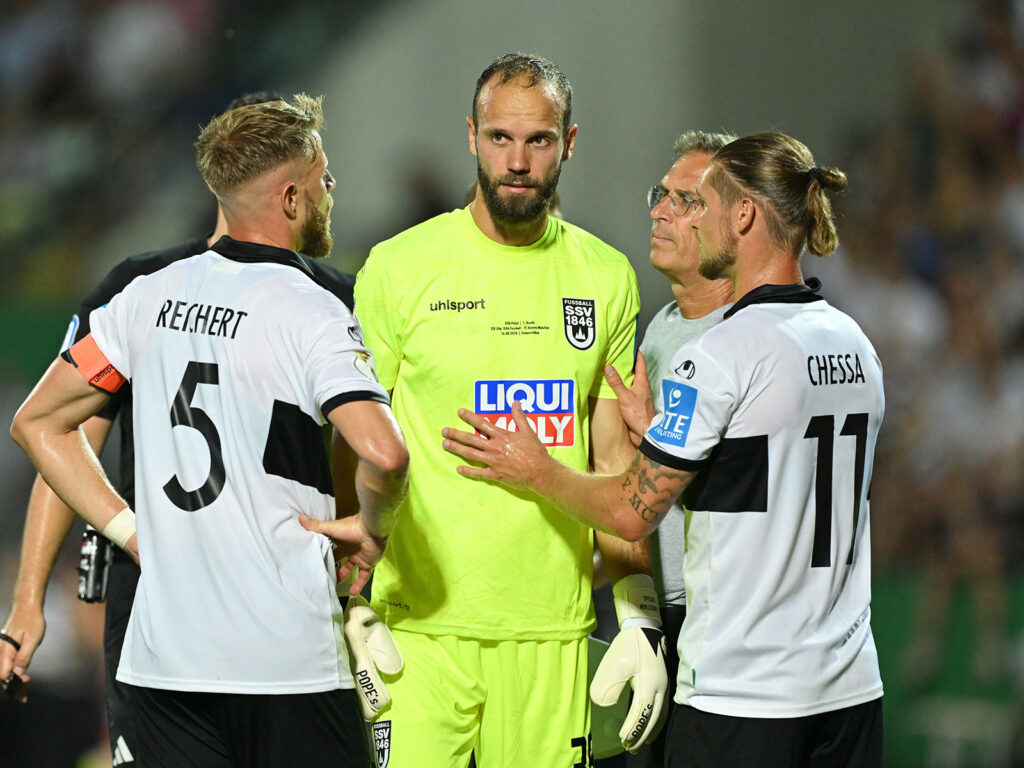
(371, 648)
(637, 655)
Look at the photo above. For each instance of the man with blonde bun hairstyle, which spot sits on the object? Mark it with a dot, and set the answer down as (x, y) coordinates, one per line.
(767, 432)
(237, 357)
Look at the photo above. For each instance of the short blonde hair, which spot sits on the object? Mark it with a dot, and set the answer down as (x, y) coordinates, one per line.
(243, 143)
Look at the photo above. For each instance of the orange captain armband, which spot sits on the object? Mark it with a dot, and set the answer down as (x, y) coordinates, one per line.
(93, 365)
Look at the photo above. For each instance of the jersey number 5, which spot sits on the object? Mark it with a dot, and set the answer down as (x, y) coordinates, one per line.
(822, 429)
(184, 414)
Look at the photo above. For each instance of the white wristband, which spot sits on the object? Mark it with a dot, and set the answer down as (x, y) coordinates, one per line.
(636, 602)
(121, 527)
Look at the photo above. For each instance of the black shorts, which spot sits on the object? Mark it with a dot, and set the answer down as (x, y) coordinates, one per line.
(121, 585)
(844, 738)
(179, 729)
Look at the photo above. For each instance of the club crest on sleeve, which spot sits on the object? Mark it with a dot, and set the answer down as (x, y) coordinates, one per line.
(364, 364)
(580, 318)
(679, 402)
(382, 742)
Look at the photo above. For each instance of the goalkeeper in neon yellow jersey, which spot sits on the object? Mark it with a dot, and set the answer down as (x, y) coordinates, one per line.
(488, 592)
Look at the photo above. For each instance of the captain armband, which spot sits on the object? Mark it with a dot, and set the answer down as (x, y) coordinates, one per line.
(93, 365)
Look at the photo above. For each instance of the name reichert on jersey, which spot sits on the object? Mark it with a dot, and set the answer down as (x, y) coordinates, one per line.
(838, 368)
(208, 319)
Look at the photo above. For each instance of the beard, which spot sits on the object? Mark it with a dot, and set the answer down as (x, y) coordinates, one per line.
(713, 266)
(517, 209)
(316, 233)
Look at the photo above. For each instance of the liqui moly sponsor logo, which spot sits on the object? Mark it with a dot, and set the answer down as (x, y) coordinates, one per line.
(549, 406)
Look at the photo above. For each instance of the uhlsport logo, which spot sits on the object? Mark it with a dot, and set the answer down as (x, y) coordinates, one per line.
(679, 402)
(382, 742)
(580, 322)
(549, 405)
(686, 370)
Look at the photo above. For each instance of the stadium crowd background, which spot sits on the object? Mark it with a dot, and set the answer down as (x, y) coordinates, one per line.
(921, 104)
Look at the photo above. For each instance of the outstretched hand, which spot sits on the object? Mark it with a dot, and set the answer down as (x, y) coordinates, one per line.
(635, 403)
(514, 459)
(354, 546)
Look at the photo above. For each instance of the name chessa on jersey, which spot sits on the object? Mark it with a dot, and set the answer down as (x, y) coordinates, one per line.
(837, 368)
(207, 319)
(549, 406)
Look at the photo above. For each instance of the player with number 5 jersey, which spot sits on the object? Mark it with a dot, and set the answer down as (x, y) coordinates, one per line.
(237, 358)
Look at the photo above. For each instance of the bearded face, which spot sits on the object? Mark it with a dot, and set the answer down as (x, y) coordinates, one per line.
(717, 258)
(511, 209)
(316, 232)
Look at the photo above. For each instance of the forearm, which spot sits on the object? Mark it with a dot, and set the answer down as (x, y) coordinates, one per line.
(47, 523)
(630, 504)
(344, 463)
(595, 500)
(380, 491)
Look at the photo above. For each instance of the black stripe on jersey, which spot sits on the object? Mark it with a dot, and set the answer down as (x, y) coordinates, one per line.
(735, 478)
(352, 397)
(797, 293)
(654, 453)
(295, 448)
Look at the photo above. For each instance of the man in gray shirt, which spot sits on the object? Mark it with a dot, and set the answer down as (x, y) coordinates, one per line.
(699, 304)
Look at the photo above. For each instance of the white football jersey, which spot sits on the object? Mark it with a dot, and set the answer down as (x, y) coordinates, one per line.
(778, 407)
(235, 356)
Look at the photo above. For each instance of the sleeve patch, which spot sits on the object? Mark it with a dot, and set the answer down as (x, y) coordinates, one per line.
(69, 337)
(679, 402)
(93, 365)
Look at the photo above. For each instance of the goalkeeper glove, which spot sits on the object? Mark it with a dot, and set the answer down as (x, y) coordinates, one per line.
(637, 654)
(371, 648)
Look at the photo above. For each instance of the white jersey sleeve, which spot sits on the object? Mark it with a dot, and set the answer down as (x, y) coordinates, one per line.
(339, 367)
(110, 326)
(699, 397)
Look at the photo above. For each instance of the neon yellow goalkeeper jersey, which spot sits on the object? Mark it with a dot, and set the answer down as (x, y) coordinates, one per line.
(455, 320)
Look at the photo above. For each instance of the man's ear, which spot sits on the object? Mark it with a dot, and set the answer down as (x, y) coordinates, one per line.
(570, 142)
(745, 214)
(290, 200)
(472, 135)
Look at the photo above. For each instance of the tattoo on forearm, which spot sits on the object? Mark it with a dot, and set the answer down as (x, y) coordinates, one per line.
(656, 487)
(648, 514)
(646, 482)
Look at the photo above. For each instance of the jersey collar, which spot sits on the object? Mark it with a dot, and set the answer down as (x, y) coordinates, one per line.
(797, 293)
(251, 253)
